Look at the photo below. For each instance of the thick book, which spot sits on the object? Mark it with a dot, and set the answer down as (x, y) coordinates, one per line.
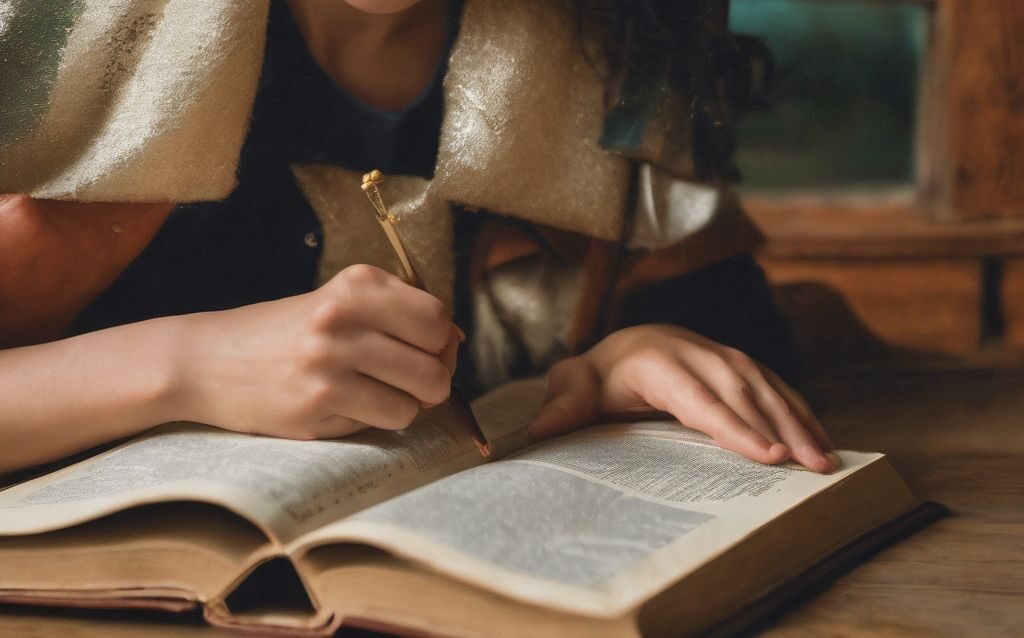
(628, 529)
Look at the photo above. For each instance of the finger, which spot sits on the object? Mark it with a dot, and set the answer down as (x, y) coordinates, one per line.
(802, 409)
(335, 427)
(571, 402)
(382, 301)
(665, 384)
(397, 364)
(450, 355)
(803, 445)
(410, 315)
(373, 402)
(729, 385)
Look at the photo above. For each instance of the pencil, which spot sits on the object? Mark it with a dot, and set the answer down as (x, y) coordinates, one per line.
(460, 406)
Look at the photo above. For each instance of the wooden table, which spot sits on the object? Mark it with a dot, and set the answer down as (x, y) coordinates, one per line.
(956, 435)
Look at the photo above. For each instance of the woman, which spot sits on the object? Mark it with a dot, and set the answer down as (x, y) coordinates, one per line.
(209, 312)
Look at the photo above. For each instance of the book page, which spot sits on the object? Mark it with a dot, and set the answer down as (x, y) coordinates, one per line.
(284, 486)
(505, 412)
(594, 522)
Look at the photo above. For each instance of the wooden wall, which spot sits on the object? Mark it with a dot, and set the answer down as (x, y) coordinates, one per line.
(972, 135)
(939, 265)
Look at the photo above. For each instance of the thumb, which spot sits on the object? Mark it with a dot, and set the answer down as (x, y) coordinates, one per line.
(571, 403)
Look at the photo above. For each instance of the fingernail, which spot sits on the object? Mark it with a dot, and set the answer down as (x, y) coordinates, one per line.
(778, 450)
(813, 453)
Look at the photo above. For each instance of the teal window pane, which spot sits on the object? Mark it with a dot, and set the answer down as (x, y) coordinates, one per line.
(844, 105)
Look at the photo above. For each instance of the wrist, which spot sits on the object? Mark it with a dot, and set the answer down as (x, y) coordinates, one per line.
(170, 392)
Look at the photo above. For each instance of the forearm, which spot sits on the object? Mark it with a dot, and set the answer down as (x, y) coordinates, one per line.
(364, 349)
(65, 396)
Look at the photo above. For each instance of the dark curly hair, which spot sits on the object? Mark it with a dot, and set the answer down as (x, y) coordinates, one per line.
(686, 45)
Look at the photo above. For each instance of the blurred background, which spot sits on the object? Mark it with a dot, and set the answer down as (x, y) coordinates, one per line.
(888, 174)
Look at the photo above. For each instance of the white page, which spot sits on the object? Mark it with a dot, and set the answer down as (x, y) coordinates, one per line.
(284, 486)
(594, 522)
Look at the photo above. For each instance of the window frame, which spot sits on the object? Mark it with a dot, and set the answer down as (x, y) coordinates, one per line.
(967, 197)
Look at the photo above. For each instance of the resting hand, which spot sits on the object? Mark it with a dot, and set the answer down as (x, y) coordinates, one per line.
(365, 349)
(709, 387)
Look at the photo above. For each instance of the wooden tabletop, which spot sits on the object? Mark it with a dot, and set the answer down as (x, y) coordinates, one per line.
(957, 437)
(955, 434)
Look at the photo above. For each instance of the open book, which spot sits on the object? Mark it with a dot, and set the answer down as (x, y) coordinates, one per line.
(617, 530)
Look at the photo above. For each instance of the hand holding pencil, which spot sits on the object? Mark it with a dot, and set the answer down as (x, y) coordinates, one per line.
(388, 220)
